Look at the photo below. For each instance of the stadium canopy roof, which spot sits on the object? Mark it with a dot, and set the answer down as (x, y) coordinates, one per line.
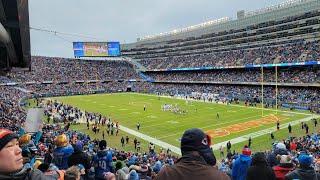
(14, 34)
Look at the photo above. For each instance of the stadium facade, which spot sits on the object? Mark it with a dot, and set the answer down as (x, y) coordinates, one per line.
(270, 38)
(292, 19)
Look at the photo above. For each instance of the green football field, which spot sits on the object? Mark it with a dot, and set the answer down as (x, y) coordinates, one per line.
(128, 109)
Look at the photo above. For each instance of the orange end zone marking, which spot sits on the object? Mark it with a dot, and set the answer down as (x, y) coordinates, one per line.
(235, 128)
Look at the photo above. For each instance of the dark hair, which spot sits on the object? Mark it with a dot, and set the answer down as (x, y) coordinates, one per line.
(102, 144)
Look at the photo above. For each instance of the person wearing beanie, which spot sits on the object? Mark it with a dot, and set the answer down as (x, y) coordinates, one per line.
(259, 168)
(11, 161)
(122, 174)
(79, 157)
(279, 149)
(133, 175)
(304, 171)
(284, 167)
(241, 165)
(109, 176)
(102, 161)
(197, 161)
(62, 152)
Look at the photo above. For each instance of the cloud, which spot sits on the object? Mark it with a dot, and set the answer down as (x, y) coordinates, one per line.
(122, 20)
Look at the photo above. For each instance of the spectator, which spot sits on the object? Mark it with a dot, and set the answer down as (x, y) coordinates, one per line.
(284, 167)
(11, 163)
(102, 161)
(280, 149)
(305, 171)
(241, 165)
(62, 152)
(72, 173)
(79, 157)
(197, 158)
(260, 168)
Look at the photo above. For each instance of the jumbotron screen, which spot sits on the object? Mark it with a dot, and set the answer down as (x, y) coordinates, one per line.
(96, 49)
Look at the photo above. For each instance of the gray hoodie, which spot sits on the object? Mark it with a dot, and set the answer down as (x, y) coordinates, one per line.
(307, 173)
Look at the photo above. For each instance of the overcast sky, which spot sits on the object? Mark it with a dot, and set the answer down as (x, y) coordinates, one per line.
(121, 20)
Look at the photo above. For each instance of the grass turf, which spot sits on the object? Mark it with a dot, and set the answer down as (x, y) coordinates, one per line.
(127, 108)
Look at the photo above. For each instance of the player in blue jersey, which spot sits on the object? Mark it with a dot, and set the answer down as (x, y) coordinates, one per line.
(62, 152)
(102, 161)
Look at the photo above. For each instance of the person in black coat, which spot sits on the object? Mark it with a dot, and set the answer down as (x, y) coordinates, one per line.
(79, 157)
(259, 168)
(289, 128)
(228, 146)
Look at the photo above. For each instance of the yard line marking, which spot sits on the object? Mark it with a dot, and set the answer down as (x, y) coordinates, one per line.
(151, 139)
(260, 133)
(208, 126)
(213, 117)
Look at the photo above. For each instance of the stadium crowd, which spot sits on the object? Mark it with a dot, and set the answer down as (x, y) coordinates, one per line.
(290, 75)
(56, 151)
(68, 70)
(11, 114)
(285, 94)
(57, 89)
(295, 51)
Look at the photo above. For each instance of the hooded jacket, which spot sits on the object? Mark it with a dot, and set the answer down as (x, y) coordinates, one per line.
(303, 174)
(272, 158)
(240, 167)
(191, 166)
(260, 168)
(25, 174)
(61, 155)
(282, 169)
(79, 157)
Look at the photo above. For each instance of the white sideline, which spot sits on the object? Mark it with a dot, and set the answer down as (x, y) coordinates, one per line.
(215, 146)
(151, 139)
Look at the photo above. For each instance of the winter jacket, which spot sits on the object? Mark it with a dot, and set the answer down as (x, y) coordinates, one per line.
(282, 170)
(79, 157)
(272, 158)
(240, 167)
(191, 166)
(25, 174)
(303, 174)
(260, 168)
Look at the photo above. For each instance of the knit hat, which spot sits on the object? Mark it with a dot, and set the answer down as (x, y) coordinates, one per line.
(78, 146)
(109, 176)
(37, 164)
(133, 175)
(285, 159)
(281, 146)
(6, 136)
(305, 159)
(194, 140)
(246, 151)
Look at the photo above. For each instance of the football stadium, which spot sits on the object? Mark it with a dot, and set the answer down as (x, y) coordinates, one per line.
(230, 98)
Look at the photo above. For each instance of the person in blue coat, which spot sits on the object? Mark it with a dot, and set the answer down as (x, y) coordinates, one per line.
(62, 152)
(102, 161)
(241, 165)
